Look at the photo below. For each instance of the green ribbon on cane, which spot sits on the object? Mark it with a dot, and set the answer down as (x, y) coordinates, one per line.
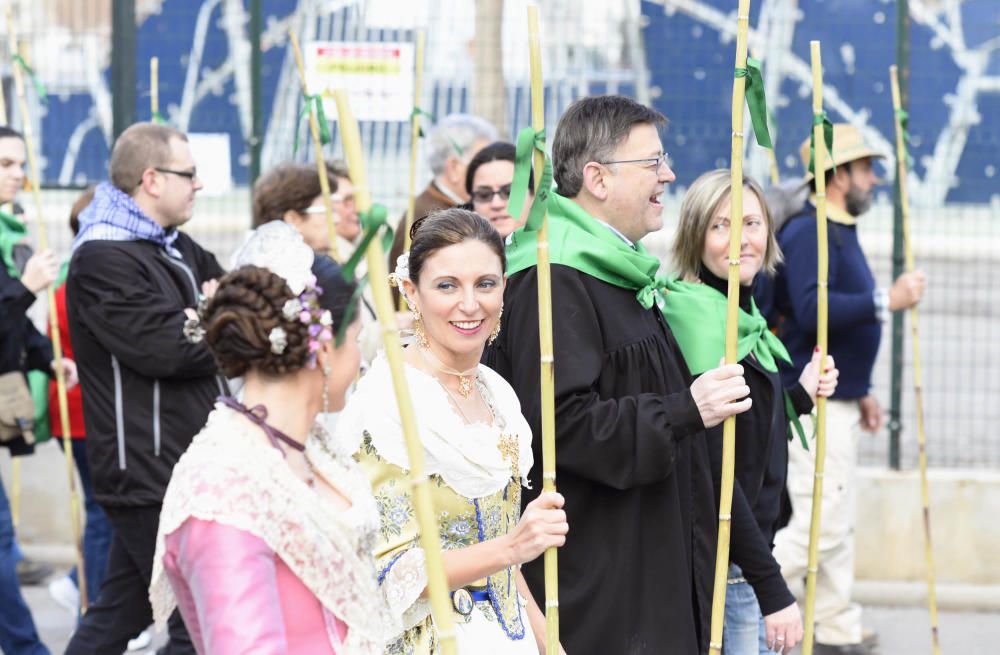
(158, 118)
(528, 141)
(754, 88)
(793, 422)
(372, 222)
(313, 100)
(904, 121)
(417, 111)
(824, 120)
(39, 87)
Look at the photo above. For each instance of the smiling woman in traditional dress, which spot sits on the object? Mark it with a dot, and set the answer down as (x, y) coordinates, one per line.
(266, 534)
(477, 447)
(761, 613)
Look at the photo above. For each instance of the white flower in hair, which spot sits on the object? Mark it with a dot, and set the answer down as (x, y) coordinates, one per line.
(279, 340)
(278, 247)
(402, 271)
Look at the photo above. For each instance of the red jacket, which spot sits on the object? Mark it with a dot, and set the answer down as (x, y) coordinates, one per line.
(73, 397)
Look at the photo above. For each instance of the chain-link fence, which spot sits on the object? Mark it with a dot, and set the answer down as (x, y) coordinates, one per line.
(675, 54)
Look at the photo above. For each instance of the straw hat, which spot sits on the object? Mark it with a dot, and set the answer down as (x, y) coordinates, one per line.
(848, 145)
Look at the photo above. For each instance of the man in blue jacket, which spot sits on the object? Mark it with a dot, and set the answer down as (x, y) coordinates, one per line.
(857, 310)
(148, 383)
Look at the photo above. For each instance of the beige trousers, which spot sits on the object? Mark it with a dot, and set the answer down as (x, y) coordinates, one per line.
(838, 620)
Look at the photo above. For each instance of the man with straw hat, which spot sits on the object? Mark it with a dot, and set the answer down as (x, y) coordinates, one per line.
(857, 310)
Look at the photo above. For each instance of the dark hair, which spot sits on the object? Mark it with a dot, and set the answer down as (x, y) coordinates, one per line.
(9, 132)
(590, 130)
(78, 206)
(287, 187)
(449, 227)
(830, 172)
(496, 151)
(248, 305)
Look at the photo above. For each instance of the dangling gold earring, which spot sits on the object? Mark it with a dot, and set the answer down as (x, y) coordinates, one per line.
(496, 328)
(418, 330)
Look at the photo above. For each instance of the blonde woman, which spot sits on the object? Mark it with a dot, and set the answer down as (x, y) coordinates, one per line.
(761, 613)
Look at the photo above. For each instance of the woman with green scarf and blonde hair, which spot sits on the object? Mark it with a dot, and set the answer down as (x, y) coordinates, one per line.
(758, 620)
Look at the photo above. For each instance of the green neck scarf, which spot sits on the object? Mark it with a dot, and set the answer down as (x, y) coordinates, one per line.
(696, 314)
(581, 242)
(12, 232)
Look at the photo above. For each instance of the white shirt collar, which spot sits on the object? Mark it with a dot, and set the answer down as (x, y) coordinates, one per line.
(616, 231)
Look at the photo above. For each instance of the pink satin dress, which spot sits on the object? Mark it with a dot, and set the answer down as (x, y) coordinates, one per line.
(237, 596)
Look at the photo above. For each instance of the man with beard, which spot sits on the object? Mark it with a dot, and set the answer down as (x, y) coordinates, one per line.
(857, 309)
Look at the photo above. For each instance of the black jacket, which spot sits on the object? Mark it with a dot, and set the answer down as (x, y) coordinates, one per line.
(146, 390)
(22, 347)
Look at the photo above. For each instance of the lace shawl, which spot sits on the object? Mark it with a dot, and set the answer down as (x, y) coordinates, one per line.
(230, 477)
(466, 457)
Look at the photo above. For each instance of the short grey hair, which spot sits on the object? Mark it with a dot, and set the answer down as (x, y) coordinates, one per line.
(590, 130)
(139, 147)
(455, 135)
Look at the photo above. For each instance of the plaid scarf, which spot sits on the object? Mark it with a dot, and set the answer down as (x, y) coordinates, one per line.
(114, 216)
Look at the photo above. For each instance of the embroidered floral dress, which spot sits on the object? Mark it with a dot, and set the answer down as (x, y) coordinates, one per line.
(256, 560)
(476, 474)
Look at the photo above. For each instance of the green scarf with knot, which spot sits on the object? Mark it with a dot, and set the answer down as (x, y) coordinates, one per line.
(12, 232)
(696, 314)
(581, 242)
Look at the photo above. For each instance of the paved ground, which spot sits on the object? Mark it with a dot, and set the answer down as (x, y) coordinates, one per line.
(902, 631)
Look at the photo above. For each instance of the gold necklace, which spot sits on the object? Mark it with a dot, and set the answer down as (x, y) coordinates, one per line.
(466, 379)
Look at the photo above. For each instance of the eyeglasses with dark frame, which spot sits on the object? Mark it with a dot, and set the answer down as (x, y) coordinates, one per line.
(658, 161)
(190, 175)
(485, 194)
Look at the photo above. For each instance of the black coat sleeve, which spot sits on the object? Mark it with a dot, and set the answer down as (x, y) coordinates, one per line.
(208, 265)
(114, 301)
(39, 350)
(15, 299)
(748, 548)
(619, 442)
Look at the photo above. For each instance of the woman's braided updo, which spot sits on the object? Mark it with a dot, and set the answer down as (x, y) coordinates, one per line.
(241, 315)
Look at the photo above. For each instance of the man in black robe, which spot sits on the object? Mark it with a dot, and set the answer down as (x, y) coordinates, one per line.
(636, 572)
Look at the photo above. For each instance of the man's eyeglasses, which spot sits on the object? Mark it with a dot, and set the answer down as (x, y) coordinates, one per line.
(190, 175)
(484, 194)
(651, 163)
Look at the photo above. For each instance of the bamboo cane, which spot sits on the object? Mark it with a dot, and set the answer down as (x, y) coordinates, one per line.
(819, 168)
(324, 180)
(57, 353)
(732, 321)
(15, 462)
(773, 158)
(414, 140)
(154, 87)
(551, 558)
(437, 583)
(918, 390)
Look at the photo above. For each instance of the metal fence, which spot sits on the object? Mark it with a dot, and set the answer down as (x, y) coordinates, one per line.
(674, 54)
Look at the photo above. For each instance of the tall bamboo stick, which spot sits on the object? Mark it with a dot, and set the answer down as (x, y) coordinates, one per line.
(57, 352)
(545, 346)
(430, 541)
(154, 88)
(918, 389)
(414, 141)
(819, 168)
(324, 180)
(732, 322)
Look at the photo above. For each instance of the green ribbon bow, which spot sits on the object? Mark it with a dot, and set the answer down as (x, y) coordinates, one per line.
(313, 100)
(904, 122)
(372, 221)
(824, 120)
(528, 141)
(158, 118)
(755, 101)
(417, 111)
(39, 87)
